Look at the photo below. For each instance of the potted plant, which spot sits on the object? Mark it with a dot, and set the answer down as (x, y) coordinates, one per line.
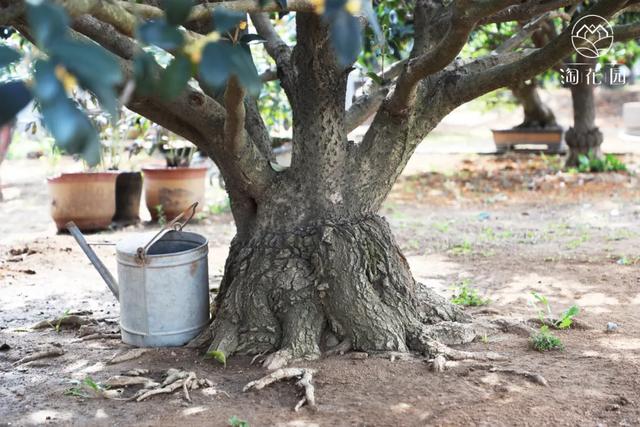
(539, 127)
(86, 198)
(126, 136)
(170, 188)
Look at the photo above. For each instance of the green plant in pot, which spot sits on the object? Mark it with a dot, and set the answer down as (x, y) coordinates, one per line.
(125, 136)
(170, 188)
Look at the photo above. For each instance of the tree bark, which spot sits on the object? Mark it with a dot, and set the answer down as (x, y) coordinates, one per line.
(303, 290)
(584, 137)
(537, 115)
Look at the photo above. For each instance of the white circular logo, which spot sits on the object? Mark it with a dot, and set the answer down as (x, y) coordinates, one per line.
(592, 36)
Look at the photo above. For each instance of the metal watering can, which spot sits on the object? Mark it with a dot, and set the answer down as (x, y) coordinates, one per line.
(163, 283)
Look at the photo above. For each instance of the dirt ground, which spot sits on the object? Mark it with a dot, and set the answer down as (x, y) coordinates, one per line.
(507, 225)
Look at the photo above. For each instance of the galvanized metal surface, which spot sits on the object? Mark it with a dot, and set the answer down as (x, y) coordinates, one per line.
(164, 298)
(163, 284)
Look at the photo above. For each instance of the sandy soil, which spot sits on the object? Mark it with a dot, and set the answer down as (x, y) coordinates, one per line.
(510, 226)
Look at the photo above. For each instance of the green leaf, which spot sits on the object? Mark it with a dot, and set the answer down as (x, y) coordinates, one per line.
(47, 87)
(245, 70)
(160, 34)
(225, 19)
(215, 65)
(8, 56)
(15, 96)
(48, 22)
(346, 37)
(95, 69)
(217, 355)
(222, 59)
(175, 77)
(376, 78)
(177, 11)
(72, 130)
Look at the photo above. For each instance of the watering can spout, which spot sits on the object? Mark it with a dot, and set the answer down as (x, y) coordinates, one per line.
(102, 269)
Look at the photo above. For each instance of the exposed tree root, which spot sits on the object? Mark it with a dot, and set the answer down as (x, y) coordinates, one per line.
(531, 376)
(69, 321)
(127, 355)
(101, 336)
(305, 381)
(175, 380)
(53, 352)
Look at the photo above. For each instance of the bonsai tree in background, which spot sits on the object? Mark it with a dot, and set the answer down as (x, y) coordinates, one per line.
(584, 138)
(312, 263)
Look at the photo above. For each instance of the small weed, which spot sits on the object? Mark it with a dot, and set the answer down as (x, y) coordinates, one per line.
(544, 340)
(85, 386)
(553, 162)
(484, 339)
(162, 217)
(625, 260)
(591, 163)
(442, 227)
(59, 323)
(467, 296)
(234, 421)
(575, 243)
(465, 248)
(564, 321)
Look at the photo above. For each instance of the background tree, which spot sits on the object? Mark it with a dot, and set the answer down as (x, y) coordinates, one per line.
(312, 263)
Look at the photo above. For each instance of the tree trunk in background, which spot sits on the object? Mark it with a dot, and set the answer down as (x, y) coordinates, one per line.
(537, 115)
(584, 137)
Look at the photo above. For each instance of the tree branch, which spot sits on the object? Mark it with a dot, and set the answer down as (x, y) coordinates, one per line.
(374, 94)
(205, 10)
(525, 12)
(277, 49)
(465, 14)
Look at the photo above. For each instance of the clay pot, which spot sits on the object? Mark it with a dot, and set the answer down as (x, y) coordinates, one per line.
(88, 199)
(508, 138)
(175, 189)
(128, 194)
(631, 117)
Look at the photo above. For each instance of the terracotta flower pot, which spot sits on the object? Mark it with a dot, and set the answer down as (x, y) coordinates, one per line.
(508, 138)
(174, 189)
(88, 199)
(128, 194)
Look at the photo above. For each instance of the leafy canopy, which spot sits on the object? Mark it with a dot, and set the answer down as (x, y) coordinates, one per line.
(69, 63)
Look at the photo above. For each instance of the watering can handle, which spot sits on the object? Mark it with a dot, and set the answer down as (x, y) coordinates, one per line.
(174, 224)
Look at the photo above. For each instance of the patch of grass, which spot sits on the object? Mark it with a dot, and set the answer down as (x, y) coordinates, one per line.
(544, 340)
(575, 243)
(221, 207)
(628, 260)
(442, 227)
(608, 163)
(464, 248)
(467, 296)
(234, 421)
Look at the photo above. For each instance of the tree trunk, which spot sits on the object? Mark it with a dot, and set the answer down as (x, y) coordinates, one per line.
(537, 115)
(584, 137)
(304, 290)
